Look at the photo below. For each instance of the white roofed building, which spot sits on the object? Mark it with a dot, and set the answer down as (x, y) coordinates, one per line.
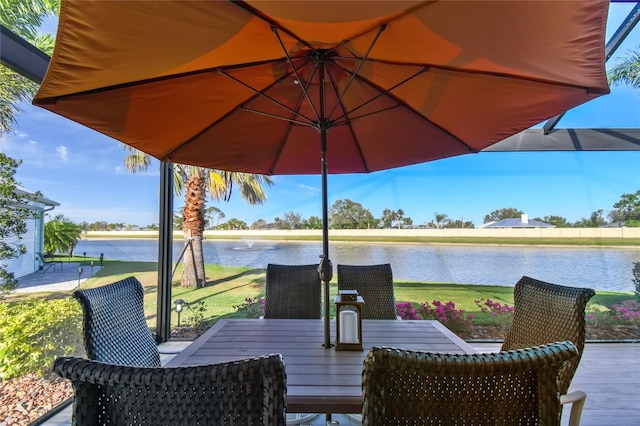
(522, 222)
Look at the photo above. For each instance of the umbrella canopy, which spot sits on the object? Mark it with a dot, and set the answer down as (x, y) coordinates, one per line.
(283, 87)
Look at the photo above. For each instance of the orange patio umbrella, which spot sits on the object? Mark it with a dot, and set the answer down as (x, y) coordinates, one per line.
(317, 87)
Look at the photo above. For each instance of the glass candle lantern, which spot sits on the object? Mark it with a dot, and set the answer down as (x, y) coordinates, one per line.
(349, 322)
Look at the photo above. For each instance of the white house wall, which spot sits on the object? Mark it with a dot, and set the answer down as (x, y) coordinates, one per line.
(26, 263)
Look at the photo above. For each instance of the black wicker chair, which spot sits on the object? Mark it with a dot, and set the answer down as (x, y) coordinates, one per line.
(375, 284)
(546, 313)
(293, 292)
(402, 387)
(115, 330)
(245, 392)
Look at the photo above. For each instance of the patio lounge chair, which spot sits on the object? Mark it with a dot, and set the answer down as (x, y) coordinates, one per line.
(546, 313)
(375, 284)
(403, 387)
(46, 264)
(115, 330)
(249, 392)
(293, 292)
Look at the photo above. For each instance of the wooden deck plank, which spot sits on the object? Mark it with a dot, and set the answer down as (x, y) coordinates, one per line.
(609, 373)
(326, 379)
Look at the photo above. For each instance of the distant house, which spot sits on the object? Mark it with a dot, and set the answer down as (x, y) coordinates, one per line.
(522, 222)
(33, 239)
(616, 224)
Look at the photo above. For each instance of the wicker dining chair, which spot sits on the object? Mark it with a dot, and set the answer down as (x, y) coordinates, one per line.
(293, 292)
(519, 387)
(115, 330)
(546, 313)
(249, 392)
(375, 284)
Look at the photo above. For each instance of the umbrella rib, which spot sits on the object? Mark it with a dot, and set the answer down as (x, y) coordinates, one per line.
(283, 142)
(398, 103)
(334, 87)
(382, 93)
(255, 12)
(262, 94)
(362, 60)
(161, 78)
(481, 72)
(188, 141)
(279, 117)
(286, 54)
(351, 119)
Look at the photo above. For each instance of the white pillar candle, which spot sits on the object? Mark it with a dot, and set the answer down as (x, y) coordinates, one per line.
(348, 326)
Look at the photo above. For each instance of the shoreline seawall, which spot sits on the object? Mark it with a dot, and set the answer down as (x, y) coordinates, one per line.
(484, 235)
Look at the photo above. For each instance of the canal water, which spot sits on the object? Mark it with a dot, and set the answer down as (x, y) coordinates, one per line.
(598, 268)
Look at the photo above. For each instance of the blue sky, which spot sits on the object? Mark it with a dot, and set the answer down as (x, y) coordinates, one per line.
(83, 171)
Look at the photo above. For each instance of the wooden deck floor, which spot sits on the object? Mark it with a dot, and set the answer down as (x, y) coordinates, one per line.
(609, 373)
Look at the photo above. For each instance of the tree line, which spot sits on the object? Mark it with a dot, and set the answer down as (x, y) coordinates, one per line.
(348, 214)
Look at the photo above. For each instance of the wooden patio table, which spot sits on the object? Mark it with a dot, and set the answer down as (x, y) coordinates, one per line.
(319, 380)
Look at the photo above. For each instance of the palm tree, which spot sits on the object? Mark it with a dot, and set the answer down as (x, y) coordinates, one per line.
(627, 71)
(23, 17)
(61, 235)
(441, 220)
(195, 183)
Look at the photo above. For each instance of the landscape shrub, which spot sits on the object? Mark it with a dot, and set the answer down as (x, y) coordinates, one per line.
(448, 315)
(500, 314)
(196, 314)
(406, 311)
(35, 333)
(254, 308)
(601, 316)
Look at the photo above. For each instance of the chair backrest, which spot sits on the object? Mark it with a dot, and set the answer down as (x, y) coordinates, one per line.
(546, 313)
(375, 284)
(245, 392)
(293, 292)
(403, 387)
(115, 330)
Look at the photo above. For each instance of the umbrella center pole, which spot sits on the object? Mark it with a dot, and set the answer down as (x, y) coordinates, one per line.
(325, 268)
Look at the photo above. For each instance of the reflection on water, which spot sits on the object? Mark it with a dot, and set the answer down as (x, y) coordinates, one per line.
(599, 268)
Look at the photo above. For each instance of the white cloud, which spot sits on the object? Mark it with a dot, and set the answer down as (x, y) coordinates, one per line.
(311, 190)
(21, 147)
(62, 153)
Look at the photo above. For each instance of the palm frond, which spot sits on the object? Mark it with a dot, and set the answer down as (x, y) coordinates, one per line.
(627, 71)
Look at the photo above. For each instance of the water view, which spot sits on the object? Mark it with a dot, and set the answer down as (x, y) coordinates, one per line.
(598, 268)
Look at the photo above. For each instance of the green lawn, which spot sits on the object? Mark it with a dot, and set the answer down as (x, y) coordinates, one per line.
(229, 286)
